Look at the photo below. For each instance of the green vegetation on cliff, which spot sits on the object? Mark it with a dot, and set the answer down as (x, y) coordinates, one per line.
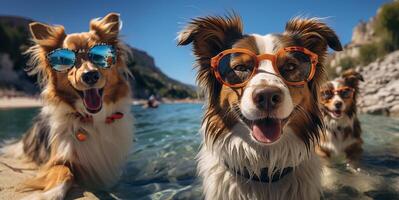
(14, 39)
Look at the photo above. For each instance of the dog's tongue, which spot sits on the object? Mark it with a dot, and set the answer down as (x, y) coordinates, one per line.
(92, 99)
(267, 130)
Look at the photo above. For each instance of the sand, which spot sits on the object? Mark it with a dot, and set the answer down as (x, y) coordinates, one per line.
(13, 172)
(19, 102)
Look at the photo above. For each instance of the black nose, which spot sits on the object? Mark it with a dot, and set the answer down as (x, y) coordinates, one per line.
(267, 98)
(338, 105)
(91, 77)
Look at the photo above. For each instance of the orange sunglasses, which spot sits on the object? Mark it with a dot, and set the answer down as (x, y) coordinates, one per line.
(344, 92)
(301, 64)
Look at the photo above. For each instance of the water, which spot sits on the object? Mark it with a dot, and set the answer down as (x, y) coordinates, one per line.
(162, 164)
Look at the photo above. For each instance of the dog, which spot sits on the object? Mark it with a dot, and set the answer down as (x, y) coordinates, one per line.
(84, 130)
(343, 131)
(261, 118)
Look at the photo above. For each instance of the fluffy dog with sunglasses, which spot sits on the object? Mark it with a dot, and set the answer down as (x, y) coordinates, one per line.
(84, 130)
(343, 132)
(262, 118)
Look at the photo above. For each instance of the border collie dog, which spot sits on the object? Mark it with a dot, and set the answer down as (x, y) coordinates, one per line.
(261, 118)
(84, 130)
(343, 132)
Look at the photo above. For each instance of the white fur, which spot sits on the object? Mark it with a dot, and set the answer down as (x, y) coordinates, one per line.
(266, 44)
(239, 150)
(103, 154)
(336, 98)
(337, 144)
(100, 157)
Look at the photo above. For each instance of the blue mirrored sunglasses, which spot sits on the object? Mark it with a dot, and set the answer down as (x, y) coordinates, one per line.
(102, 55)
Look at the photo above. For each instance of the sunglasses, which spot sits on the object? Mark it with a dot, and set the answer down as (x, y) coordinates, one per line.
(235, 67)
(343, 92)
(102, 55)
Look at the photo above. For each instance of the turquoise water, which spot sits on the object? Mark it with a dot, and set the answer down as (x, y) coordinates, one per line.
(162, 163)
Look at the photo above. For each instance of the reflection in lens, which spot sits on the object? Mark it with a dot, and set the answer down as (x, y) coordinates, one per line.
(102, 55)
(327, 94)
(236, 68)
(61, 59)
(345, 93)
(294, 66)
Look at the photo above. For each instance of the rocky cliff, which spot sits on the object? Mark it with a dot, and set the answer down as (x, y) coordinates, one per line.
(14, 39)
(379, 93)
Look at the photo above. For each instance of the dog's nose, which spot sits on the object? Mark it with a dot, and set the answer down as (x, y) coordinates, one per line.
(338, 105)
(267, 98)
(91, 77)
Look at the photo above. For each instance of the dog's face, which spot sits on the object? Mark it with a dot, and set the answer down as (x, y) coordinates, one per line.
(84, 83)
(266, 104)
(338, 97)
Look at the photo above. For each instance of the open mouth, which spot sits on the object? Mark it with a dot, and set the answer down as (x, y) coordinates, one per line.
(267, 130)
(335, 113)
(92, 99)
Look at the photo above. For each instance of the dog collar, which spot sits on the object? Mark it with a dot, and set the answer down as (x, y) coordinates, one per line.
(264, 177)
(81, 134)
(108, 120)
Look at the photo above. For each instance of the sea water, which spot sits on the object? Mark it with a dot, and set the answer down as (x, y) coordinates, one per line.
(162, 163)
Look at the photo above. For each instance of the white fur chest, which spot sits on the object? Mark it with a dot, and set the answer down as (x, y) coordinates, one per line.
(219, 182)
(336, 141)
(99, 159)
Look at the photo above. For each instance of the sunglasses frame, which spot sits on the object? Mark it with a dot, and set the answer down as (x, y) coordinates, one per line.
(76, 52)
(338, 90)
(257, 58)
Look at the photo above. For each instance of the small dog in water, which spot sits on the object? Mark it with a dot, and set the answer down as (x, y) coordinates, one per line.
(262, 118)
(84, 130)
(343, 132)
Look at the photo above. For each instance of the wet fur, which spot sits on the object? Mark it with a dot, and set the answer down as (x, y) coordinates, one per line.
(226, 136)
(50, 142)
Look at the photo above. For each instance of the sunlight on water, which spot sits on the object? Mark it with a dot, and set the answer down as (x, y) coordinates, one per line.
(162, 163)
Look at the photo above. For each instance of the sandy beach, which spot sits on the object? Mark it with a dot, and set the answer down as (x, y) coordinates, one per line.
(30, 102)
(19, 102)
(13, 172)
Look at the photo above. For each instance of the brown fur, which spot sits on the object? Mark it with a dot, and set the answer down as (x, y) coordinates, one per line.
(349, 78)
(211, 35)
(61, 88)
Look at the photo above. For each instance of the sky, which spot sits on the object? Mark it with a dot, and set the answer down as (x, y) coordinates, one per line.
(152, 25)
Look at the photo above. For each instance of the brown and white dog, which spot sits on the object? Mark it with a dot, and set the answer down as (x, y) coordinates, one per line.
(343, 132)
(259, 131)
(84, 130)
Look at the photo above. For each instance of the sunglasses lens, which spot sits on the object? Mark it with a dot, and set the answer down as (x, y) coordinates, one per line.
(345, 94)
(294, 66)
(103, 56)
(325, 95)
(236, 68)
(61, 59)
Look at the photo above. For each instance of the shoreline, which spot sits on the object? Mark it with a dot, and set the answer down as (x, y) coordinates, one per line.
(34, 102)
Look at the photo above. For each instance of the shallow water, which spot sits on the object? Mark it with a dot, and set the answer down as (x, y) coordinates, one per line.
(162, 163)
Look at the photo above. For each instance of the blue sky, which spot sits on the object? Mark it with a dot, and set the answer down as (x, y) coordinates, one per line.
(153, 25)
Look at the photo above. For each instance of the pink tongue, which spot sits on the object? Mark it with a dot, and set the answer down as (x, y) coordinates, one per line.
(267, 130)
(92, 99)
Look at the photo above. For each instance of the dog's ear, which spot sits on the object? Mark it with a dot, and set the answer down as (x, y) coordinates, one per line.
(107, 28)
(211, 35)
(46, 35)
(313, 34)
(352, 77)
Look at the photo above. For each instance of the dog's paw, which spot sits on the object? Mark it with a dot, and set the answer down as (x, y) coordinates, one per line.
(55, 193)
